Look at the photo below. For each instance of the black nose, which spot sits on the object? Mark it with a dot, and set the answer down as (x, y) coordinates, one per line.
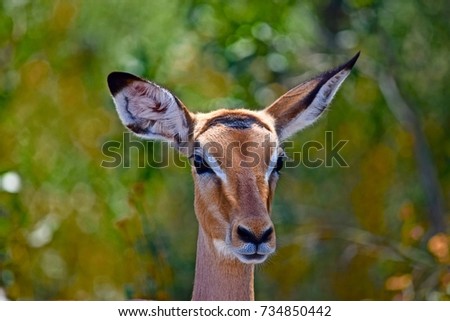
(249, 237)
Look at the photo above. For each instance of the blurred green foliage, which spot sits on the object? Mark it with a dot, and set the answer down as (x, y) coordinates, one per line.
(71, 229)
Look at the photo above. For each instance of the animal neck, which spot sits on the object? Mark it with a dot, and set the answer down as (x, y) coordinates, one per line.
(218, 278)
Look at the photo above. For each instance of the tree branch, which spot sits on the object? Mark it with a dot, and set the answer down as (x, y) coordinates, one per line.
(408, 119)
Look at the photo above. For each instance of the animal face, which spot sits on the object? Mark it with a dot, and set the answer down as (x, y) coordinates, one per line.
(235, 154)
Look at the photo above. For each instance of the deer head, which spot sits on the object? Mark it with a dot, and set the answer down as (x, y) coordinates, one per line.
(236, 158)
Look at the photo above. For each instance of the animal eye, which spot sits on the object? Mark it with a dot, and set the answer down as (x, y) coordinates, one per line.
(280, 163)
(200, 165)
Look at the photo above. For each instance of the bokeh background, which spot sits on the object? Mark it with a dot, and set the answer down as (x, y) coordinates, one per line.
(72, 229)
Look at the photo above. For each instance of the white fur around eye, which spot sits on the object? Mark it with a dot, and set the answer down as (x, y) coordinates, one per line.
(273, 164)
(215, 166)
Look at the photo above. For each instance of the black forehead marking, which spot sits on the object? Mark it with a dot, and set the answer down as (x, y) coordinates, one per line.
(236, 122)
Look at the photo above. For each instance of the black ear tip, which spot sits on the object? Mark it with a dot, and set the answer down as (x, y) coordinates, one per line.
(352, 62)
(118, 80)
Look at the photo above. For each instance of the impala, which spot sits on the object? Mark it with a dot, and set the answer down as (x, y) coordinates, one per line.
(233, 192)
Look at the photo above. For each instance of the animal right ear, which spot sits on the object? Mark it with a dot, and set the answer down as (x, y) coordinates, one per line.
(149, 110)
(304, 104)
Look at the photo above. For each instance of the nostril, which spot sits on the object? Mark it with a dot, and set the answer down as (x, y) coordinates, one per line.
(267, 235)
(246, 235)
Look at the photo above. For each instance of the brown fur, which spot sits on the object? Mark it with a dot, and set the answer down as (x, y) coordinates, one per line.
(220, 207)
(232, 203)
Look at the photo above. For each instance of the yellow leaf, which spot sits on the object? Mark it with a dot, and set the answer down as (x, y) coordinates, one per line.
(398, 283)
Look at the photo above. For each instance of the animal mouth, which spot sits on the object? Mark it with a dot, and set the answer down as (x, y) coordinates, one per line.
(252, 258)
(247, 253)
(253, 254)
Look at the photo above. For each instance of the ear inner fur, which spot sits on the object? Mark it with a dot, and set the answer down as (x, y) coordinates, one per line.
(287, 110)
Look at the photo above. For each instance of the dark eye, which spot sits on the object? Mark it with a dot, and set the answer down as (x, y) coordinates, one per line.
(280, 163)
(200, 165)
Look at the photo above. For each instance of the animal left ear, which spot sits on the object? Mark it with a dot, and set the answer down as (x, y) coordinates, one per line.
(303, 105)
(149, 110)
